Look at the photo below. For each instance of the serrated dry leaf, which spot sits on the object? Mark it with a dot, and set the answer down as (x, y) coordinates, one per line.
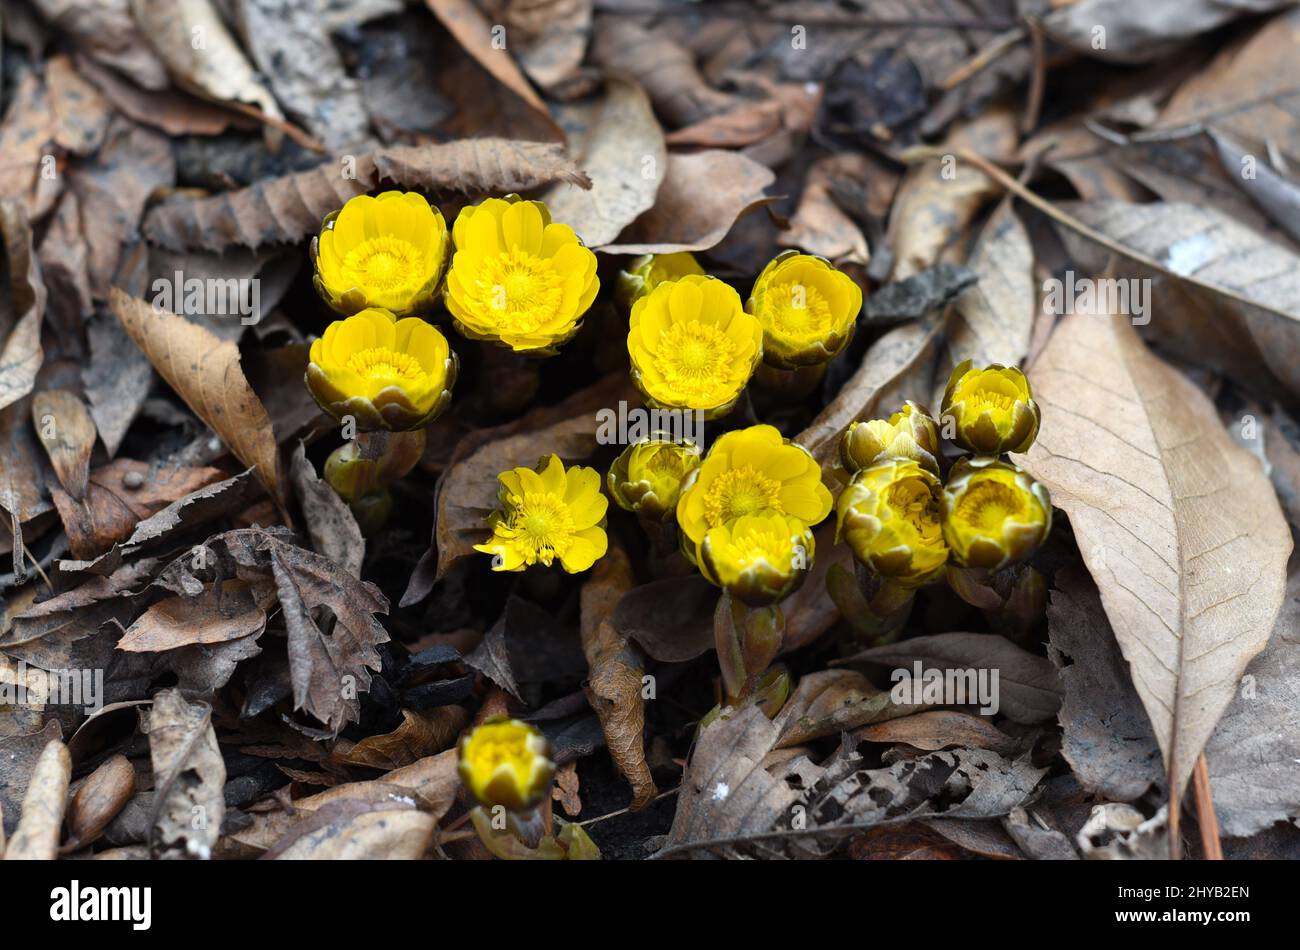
(623, 152)
(189, 775)
(331, 524)
(37, 836)
(68, 433)
(205, 372)
(614, 681)
(22, 306)
(1179, 527)
(701, 197)
(289, 208)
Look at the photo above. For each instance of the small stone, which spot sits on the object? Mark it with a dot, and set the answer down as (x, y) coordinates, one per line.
(133, 480)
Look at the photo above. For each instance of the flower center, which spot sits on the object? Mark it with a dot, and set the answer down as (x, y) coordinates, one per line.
(694, 358)
(997, 396)
(913, 501)
(381, 363)
(987, 504)
(799, 310)
(385, 263)
(759, 546)
(740, 491)
(543, 526)
(523, 292)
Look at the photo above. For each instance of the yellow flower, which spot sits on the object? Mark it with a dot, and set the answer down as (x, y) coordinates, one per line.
(692, 345)
(386, 373)
(547, 514)
(650, 270)
(992, 409)
(807, 307)
(647, 477)
(760, 559)
(748, 471)
(387, 251)
(909, 433)
(518, 279)
(994, 514)
(889, 516)
(506, 762)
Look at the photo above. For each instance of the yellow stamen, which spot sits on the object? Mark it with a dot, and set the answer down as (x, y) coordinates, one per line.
(694, 358)
(542, 526)
(738, 492)
(987, 504)
(382, 363)
(799, 310)
(385, 263)
(522, 292)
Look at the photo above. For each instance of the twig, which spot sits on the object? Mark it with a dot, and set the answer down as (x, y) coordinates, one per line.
(1037, 77)
(748, 14)
(624, 811)
(1205, 816)
(982, 59)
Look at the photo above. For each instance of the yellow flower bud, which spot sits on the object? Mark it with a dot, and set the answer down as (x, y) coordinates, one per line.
(517, 278)
(385, 373)
(387, 251)
(994, 514)
(808, 309)
(992, 410)
(889, 516)
(649, 271)
(909, 433)
(547, 514)
(692, 345)
(647, 477)
(759, 559)
(506, 762)
(749, 471)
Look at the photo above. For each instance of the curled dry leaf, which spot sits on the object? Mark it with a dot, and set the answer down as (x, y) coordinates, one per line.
(168, 110)
(829, 702)
(289, 208)
(229, 611)
(623, 152)
(421, 733)
(97, 802)
(1179, 527)
(615, 679)
(330, 522)
(205, 372)
(68, 433)
(37, 836)
(700, 199)
(22, 305)
(189, 775)
(937, 729)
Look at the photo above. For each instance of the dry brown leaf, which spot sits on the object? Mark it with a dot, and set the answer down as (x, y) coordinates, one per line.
(81, 115)
(66, 430)
(169, 110)
(37, 835)
(28, 170)
(232, 611)
(289, 208)
(745, 124)
(819, 225)
(190, 37)
(614, 682)
(702, 196)
(19, 754)
(351, 831)
(548, 37)
(97, 802)
(105, 31)
(829, 702)
(189, 775)
(330, 522)
(22, 306)
(1179, 527)
(566, 788)
(421, 733)
(940, 729)
(623, 152)
(466, 22)
(205, 372)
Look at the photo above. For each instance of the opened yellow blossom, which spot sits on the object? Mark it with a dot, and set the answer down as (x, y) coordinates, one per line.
(692, 345)
(807, 307)
(387, 251)
(747, 472)
(517, 278)
(994, 514)
(648, 271)
(889, 516)
(759, 559)
(990, 410)
(547, 515)
(647, 477)
(385, 373)
(506, 762)
(909, 433)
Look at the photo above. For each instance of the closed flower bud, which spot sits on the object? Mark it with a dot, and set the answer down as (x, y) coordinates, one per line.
(649, 271)
(759, 559)
(383, 372)
(994, 514)
(518, 278)
(506, 762)
(647, 477)
(909, 433)
(387, 251)
(807, 307)
(992, 410)
(889, 516)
